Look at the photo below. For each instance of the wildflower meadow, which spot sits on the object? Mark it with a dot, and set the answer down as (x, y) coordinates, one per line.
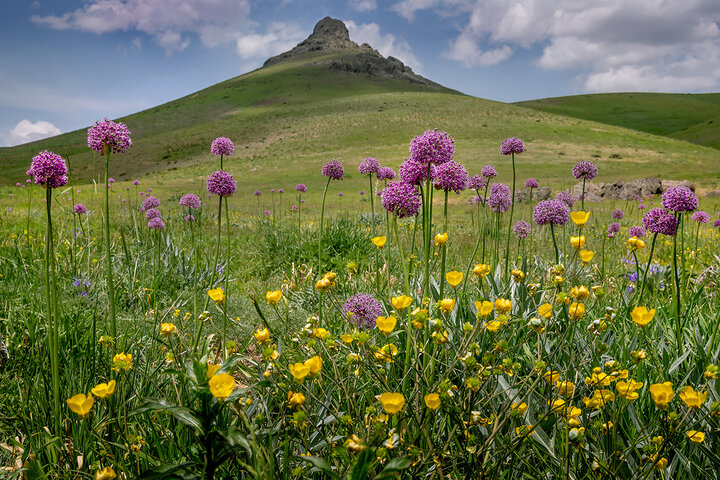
(436, 324)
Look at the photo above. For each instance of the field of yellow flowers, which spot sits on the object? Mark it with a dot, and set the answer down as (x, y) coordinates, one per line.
(177, 338)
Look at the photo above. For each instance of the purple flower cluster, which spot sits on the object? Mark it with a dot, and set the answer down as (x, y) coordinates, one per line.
(488, 171)
(500, 199)
(150, 202)
(414, 172)
(531, 183)
(451, 176)
(618, 214)
(385, 173)
(156, 223)
(190, 200)
(109, 136)
(637, 231)
(613, 229)
(48, 169)
(433, 146)
(136, 182)
(222, 146)
(521, 229)
(477, 183)
(679, 199)
(362, 310)
(700, 217)
(257, 193)
(566, 198)
(551, 211)
(659, 220)
(79, 208)
(585, 170)
(151, 213)
(716, 223)
(512, 145)
(221, 183)
(369, 166)
(300, 187)
(401, 199)
(333, 169)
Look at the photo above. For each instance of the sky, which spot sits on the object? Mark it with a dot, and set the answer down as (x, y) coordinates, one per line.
(65, 64)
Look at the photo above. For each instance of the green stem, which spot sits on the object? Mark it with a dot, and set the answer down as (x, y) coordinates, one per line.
(557, 253)
(647, 267)
(53, 316)
(677, 288)
(214, 273)
(512, 209)
(322, 222)
(444, 249)
(108, 253)
(227, 279)
(582, 199)
(403, 260)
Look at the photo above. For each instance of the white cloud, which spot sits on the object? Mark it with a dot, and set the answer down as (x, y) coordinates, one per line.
(26, 131)
(386, 44)
(278, 37)
(618, 44)
(363, 5)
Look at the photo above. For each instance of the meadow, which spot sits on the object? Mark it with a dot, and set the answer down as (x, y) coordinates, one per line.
(232, 325)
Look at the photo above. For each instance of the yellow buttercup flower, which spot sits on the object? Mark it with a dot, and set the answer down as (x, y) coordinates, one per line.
(446, 304)
(441, 239)
(386, 324)
(392, 402)
(296, 399)
(212, 370)
(551, 377)
(106, 473)
(273, 298)
(580, 292)
(221, 385)
(432, 401)
(167, 329)
(586, 256)
(565, 388)
(520, 407)
(576, 310)
(103, 390)
(503, 306)
(518, 275)
(578, 242)
(580, 218)
(493, 325)
(599, 399)
(262, 336)
(642, 316)
(314, 364)
(217, 295)
(691, 398)
(346, 338)
(695, 436)
(454, 278)
(122, 362)
(320, 333)
(545, 310)
(635, 243)
(628, 389)
(401, 303)
(484, 308)
(81, 404)
(481, 269)
(662, 394)
(386, 353)
(379, 241)
(299, 371)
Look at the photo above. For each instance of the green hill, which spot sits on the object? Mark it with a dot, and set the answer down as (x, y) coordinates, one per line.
(691, 117)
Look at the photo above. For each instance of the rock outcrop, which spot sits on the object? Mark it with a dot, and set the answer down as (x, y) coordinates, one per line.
(632, 190)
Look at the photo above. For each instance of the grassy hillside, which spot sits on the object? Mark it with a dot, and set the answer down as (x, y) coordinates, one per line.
(691, 117)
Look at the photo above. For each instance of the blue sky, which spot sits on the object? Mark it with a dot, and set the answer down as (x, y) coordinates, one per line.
(68, 63)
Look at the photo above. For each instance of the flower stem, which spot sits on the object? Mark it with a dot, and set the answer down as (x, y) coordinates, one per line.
(677, 289)
(108, 252)
(512, 208)
(557, 253)
(322, 222)
(53, 313)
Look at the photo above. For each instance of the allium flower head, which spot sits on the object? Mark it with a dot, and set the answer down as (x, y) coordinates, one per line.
(636, 231)
(679, 199)
(700, 217)
(222, 146)
(401, 199)
(111, 180)
(333, 169)
(618, 214)
(136, 182)
(190, 200)
(79, 209)
(716, 223)
(189, 218)
(521, 229)
(385, 173)
(500, 199)
(109, 136)
(156, 223)
(414, 172)
(48, 169)
(566, 197)
(659, 220)
(488, 171)
(613, 229)
(257, 193)
(477, 182)
(531, 183)
(221, 183)
(451, 176)
(512, 145)
(281, 190)
(362, 310)
(369, 166)
(340, 194)
(585, 170)
(151, 213)
(433, 146)
(300, 187)
(551, 211)
(150, 202)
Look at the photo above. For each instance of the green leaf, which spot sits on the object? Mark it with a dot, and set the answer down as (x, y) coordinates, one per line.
(393, 467)
(362, 466)
(182, 471)
(320, 464)
(182, 414)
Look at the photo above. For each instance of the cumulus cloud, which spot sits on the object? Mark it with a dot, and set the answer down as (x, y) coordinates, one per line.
(363, 5)
(26, 131)
(167, 21)
(278, 37)
(386, 44)
(658, 45)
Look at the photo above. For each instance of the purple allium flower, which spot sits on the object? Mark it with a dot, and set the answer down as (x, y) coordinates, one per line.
(156, 223)
(136, 182)
(362, 310)
(477, 183)
(222, 146)
(189, 218)
(369, 166)
(585, 170)
(700, 217)
(385, 173)
(150, 202)
(79, 208)
(333, 169)
(499, 199)
(109, 136)
(478, 199)
(221, 183)
(190, 200)
(362, 192)
(488, 171)
(257, 193)
(111, 180)
(294, 208)
(512, 145)
(149, 189)
(18, 184)
(716, 223)
(531, 183)
(300, 187)
(551, 211)
(659, 220)
(451, 176)
(679, 199)
(521, 229)
(340, 194)
(272, 190)
(637, 231)
(566, 197)
(152, 213)
(11, 195)
(281, 190)
(618, 214)
(613, 229)
(433, 146)
(48, 169)
(401, 199)
(641, 206)
(415, 173)
(267, 213)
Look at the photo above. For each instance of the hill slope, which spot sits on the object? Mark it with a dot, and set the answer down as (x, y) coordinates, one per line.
(691, 117)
